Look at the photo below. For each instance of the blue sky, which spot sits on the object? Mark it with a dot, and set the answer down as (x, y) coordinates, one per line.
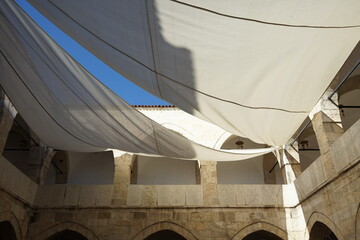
(120, 85)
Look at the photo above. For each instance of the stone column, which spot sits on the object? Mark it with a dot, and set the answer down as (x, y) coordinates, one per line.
(326, 130)
(291, 167)
(289, 164)
(292, 154)
(326, 122)
(197, 172)
(7, 115)
(50, 153)
(134, 170)
(208, 176)
(39, 163)
(269, 160)
(61, 162)
(122, 178)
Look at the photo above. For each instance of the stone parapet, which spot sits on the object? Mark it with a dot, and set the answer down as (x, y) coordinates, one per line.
(342, 154)
(16, 183)
(74, 196)
(162, 196)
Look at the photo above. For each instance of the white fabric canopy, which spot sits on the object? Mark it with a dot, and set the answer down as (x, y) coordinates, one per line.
(253, 67)
(69, 109)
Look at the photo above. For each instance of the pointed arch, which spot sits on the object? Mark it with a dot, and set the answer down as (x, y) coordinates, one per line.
(165, 225)
(10, 217)
(258, 226)
(165, 234)
(72, 226)
(322, 218)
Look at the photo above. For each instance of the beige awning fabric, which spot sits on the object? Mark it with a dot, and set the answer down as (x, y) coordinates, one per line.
(69, 109)
(254, 68)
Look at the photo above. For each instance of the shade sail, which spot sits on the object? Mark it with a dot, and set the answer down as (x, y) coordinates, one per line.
(69, 109)
(254, 68)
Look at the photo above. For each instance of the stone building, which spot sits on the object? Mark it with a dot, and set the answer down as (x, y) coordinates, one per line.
(310, 191)
(313, 192)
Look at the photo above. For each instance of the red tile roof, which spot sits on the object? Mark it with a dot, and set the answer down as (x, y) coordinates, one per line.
(153, 106)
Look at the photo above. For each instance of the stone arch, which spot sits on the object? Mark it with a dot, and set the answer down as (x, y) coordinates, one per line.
(165, 235)
(357, 224)
(10, 217)
(258, 226)
(7, 232)
(322, 218)
(72, 226)
(164, 226)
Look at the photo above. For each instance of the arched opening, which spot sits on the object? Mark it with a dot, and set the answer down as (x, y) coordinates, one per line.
(321, 232)
(165, 235)
(7, 231)
(170, 231)
(262, 235)
(67, 235)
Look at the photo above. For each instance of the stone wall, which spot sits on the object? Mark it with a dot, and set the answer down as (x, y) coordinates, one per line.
(134, 223)
(329, 189)
(17, 196)
(166, 196)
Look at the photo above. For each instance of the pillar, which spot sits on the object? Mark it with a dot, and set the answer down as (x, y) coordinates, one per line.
(326, 122)
(7, 115)
(326, 130)
(269, 160)
(122, 178)
(293, 157)
(49, 154)
(39, 163)
(134, 170)
(289, 164)
(35, 161)
(197, 172)
(208, 178)
(61, 163)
